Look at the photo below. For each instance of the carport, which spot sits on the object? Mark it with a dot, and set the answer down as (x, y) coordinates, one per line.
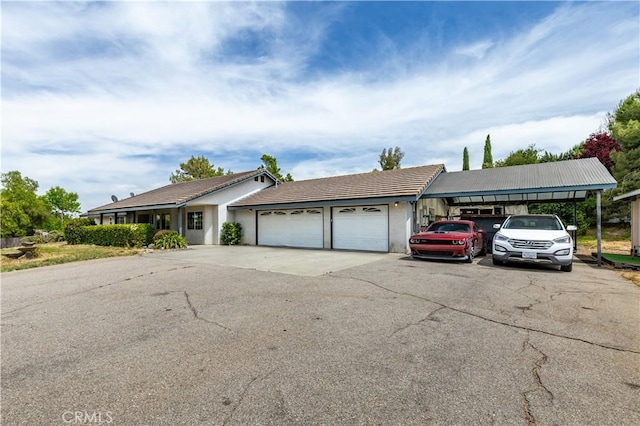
(556, 182)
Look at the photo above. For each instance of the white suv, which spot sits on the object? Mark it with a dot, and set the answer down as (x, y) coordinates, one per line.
(540, 238)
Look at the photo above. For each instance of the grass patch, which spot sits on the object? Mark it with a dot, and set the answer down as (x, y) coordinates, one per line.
(634, 277)
(58, 253)
(621, 258)
(615, 239)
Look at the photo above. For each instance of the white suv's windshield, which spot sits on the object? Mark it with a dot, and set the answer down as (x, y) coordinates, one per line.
(533, 222)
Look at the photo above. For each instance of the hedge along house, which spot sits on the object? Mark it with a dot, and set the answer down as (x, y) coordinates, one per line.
(375, 211)
(195, 209)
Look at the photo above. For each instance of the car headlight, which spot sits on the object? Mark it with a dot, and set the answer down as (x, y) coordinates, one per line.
(563, 240)
(500, 237)
(412, 241)
(458, 242)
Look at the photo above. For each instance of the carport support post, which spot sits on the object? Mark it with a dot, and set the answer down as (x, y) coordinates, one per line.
(599, 226)
(575, 222)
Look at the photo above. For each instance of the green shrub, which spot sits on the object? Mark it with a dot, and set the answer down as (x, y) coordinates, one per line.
(123, 235)
(231, 233)
(161, 233)
(43, 237)
(170, 241)
(73, 229)
(37, 238)
(55, 236)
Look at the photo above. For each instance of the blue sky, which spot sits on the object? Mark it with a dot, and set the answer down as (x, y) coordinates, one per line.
(108, 98)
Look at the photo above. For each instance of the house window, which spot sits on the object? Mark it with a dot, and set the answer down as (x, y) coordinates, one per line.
(194, 220)
(121, 219)
(163, 221)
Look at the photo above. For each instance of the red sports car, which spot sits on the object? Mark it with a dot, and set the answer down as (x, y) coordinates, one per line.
(449, 239)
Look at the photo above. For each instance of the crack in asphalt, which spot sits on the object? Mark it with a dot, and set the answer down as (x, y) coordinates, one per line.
(519, 327)
(196, 315)
(86, 290)
(427, 318)
(244, 393)
(535, 372)
(533, 282)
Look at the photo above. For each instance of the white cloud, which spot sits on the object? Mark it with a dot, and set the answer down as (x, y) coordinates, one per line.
(161, 79)
(476, 50)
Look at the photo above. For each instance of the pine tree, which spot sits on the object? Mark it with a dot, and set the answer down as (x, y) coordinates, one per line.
(465, 159)
(487, 160)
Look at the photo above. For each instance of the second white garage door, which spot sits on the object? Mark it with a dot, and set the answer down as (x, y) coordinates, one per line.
(361, 228)
(291, 228)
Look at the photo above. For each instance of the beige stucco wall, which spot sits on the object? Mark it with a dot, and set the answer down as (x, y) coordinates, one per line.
(400, 227)
(326, 223)
(247, 219)
(215, 207)
(439, 207)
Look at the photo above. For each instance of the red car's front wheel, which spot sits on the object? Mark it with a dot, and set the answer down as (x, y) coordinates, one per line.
(471, 251)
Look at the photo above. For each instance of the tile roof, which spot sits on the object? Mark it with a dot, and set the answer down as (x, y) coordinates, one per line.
(586, 173)
(179, 193)
(407, 182)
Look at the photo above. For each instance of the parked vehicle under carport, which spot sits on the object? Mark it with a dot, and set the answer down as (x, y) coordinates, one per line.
(535, 239)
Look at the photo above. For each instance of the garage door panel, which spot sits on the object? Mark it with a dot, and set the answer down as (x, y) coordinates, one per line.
(291, 228)
(361, 228)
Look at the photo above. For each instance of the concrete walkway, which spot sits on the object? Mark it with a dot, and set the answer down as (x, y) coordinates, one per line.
(303, 262)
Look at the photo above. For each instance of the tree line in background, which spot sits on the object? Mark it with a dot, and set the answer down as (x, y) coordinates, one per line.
(200, 168)
(616, 145)
(22, 211)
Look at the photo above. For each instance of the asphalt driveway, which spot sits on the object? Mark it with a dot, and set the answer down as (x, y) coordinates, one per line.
(171, 338)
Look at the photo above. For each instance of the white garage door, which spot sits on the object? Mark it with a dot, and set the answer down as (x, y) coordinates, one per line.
(361, 228)
(290, 228)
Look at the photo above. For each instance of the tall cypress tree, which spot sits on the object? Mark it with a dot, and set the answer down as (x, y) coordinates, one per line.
(487, 161)
(465, 159)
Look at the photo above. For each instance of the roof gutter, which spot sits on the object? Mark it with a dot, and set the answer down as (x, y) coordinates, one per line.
(521, 191)
(137, 208)
(321, 203)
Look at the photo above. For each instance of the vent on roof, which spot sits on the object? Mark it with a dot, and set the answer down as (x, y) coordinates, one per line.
(114, 198)
(132, 194)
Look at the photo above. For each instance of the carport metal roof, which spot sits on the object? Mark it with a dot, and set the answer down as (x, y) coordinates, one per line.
(559, 181)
